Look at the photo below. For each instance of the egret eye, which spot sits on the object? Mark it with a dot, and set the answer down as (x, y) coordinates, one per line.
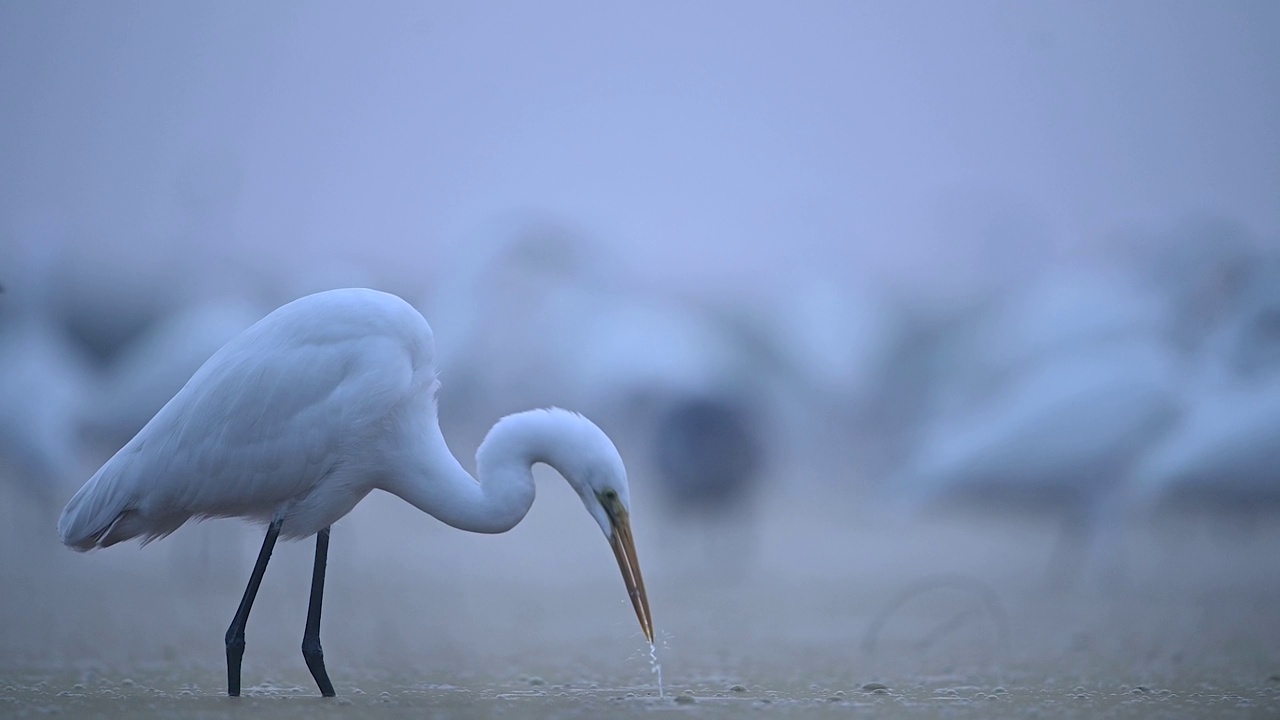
(610, 494)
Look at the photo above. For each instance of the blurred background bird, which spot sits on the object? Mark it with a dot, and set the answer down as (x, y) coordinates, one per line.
(1218, 464)
(45, 381)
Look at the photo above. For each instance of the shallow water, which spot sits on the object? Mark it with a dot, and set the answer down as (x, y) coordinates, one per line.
(656, 667)
(1024, 695)
(420, 619)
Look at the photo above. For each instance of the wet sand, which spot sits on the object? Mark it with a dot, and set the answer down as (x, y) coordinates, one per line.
(421, 620)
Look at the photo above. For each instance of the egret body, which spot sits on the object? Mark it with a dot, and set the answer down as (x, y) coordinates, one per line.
(299, 417)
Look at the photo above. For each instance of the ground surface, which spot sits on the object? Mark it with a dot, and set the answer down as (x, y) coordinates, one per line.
(422, 620)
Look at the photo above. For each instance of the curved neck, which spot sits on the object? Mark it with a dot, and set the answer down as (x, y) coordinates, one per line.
(433, 480)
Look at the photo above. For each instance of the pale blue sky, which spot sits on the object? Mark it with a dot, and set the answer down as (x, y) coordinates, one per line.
(704, 139)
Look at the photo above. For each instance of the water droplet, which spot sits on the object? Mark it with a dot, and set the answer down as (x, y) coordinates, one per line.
(656, 667)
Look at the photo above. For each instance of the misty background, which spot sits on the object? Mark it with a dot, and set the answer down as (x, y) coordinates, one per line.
(811, 265)
(709, 145)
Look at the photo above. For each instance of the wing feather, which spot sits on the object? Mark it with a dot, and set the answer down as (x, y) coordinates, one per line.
(258, 426)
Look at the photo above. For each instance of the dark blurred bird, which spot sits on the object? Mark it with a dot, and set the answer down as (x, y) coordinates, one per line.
(708, 454)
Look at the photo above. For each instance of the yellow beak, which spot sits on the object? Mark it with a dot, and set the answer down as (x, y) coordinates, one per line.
(624, 548)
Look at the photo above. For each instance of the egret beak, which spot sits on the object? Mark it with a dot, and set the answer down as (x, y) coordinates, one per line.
(624, 548)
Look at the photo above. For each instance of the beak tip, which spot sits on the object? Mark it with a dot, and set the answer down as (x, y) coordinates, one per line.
(624, 549)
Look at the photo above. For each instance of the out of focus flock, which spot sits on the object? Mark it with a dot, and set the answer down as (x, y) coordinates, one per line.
(1099, 393)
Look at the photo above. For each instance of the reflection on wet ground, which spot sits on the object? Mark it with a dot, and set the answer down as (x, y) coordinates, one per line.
(836, 612)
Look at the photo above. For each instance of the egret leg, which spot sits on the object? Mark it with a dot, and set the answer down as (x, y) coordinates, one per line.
(311, 650)
(235, 633)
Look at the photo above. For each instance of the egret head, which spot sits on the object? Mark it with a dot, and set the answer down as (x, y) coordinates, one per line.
(589, 460)
(617, 510)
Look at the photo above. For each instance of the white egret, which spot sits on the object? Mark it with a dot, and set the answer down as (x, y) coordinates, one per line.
(1066, 386)
(44, 378)
(1051, 389)
(299, 417)
(1224, 453)
(43, 383)
(1198, 266)
(1221, 457)
(543, 302)
(1058, 438)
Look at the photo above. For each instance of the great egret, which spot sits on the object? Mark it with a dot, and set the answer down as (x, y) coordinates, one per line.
(44, 378)
(1221, 457)
(1066, 386)
(299, 417)
(1058, 438)
(1224, 453)
(43, 383)
(1198, 266)
(543, 302)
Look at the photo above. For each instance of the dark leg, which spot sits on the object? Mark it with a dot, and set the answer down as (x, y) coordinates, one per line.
(235, 633)
(311, 650)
